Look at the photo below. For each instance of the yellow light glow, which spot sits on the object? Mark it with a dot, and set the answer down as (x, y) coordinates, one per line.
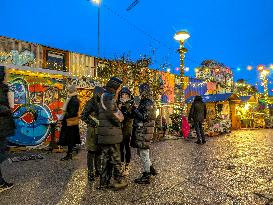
(265, 72)
(181, 36)
(247, 106)
(96, 1)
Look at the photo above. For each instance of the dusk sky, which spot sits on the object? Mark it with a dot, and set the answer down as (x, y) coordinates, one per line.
(237, 33)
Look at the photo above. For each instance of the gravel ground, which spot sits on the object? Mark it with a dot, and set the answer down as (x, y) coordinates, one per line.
(233, 169)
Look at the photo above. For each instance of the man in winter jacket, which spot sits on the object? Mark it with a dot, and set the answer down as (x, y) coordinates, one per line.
(143, 129)
(90, 115)
(110, 135)
(198, 114)
(7, 125)
(126, 104)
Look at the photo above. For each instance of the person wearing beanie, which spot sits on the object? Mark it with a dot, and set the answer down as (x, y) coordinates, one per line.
(90, 115)
(110, 136)
(143, 129)
(70, 132)
(7, 126)
(126, 104)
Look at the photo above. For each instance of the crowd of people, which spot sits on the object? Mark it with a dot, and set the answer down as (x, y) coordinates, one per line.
(115, 124)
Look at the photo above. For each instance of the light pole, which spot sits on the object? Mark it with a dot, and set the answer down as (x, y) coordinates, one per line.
(98, 2)
(182, 36)
(263, 77)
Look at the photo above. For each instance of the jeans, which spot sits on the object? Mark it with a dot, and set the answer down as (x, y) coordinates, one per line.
(199, 131)
(125, 150)
(144, 155)
(3, 156)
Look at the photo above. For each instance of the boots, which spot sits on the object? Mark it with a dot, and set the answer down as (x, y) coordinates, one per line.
(119, 184)
(198, 142)
(67, 157)
(153, 171)
(144, 179)
(126, 170)
(91, 177)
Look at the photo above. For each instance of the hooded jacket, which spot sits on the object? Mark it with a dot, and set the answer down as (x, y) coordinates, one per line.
(91, 108)
(109, 129)
(144, 121)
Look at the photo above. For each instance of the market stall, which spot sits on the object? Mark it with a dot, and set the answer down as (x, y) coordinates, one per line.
(221, 112)
(246, 111)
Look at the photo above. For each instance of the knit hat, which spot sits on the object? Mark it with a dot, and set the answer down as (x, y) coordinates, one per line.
(2, 73)
(72, 89)
(125, 90)
(113, 84)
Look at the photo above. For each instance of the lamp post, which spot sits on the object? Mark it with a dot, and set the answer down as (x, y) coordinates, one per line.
(263, 77)
(98, 2)
(181, 37)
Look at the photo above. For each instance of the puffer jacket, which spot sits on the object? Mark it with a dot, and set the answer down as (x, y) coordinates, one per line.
(7, 124)
(109, 130)
(144, 124)
(91, 108)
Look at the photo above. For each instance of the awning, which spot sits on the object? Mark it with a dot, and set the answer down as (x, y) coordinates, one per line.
(250, 99)
(216, 98)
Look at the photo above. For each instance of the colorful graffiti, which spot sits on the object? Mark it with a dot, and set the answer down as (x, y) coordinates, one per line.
(37, 102)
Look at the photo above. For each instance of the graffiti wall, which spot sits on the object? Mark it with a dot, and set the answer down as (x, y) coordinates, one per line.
(20, 53)
(37, 101)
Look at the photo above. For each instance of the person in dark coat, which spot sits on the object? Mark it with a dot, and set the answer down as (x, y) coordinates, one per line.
(143, 129)
(7, 126)
(70, 135)
(197, 115)
(90, 115)
(126, 103)
(110, 136)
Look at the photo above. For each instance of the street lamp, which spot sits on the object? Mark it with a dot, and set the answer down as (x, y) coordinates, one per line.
(263, 77)
(98, 2)
(182, 36)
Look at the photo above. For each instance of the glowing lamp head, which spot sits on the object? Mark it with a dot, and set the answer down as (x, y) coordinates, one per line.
(260, 67)
(96, 1)
(181, 36)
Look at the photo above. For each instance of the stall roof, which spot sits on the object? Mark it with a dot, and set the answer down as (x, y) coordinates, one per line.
(245, 98)
(215, 98)
(250, 99)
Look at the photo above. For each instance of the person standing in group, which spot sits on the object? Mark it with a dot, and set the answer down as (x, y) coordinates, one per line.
(7, 125)
(70, 132)
(143, 129)
(90, 115)
(110, 136)
(198, 114)
(126, 104)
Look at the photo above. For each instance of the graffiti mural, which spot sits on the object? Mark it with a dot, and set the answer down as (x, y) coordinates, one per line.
(37, 102)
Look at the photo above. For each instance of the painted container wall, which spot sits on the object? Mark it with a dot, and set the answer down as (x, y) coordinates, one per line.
(20, 53)
(37, 101)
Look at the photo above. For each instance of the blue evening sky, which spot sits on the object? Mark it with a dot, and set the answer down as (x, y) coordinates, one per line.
(236, 32)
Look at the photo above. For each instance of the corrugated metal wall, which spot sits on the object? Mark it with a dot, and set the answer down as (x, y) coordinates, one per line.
(82, 65)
